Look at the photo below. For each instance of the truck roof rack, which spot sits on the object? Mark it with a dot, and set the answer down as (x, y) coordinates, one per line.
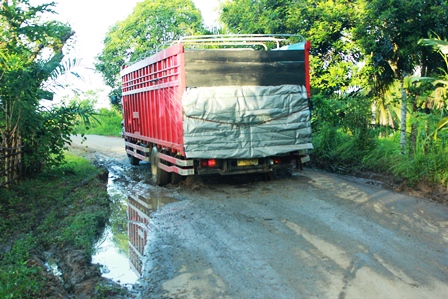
(245, 40)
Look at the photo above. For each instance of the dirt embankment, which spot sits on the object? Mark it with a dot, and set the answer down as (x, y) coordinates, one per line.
(73, 276)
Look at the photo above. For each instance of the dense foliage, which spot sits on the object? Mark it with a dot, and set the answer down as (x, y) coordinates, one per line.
(32, 55)
(152, 24)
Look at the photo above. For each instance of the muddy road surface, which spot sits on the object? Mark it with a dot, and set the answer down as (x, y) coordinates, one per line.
(310, 235)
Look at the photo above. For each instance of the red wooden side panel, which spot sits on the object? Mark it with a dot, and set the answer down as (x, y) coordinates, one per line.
(307, 67)
(152, 92)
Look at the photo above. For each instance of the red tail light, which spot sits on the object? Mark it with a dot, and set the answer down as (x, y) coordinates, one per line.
(277, 160)
(208, 163)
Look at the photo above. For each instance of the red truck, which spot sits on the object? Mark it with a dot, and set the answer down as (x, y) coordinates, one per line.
(219, 104)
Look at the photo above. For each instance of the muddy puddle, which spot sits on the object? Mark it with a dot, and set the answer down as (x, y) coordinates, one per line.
(121, 250)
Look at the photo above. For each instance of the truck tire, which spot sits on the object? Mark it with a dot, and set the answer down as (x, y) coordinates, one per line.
(159, 176)
(133, 160)
(175, 178)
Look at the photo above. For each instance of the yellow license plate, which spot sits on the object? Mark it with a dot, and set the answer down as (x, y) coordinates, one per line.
(247, 162)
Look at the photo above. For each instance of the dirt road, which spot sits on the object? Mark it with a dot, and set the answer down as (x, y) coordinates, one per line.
(310, 235)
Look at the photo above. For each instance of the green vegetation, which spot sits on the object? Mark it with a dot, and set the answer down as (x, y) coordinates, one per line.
(151, 26)
(102, 121)
(64, 207)
(108, 123)
(359, 148)
(32, 51)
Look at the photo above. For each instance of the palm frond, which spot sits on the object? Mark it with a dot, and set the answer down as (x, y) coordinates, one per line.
(441, 125)
(441, 45)
(63, 73)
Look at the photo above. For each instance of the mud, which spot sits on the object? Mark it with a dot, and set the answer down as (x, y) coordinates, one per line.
(312, 234)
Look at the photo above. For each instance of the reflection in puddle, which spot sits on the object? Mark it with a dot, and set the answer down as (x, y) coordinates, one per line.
(120, 251)
(114, 261)
(139, 209)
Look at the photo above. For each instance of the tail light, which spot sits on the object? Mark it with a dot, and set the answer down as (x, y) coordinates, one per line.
(208, 163)
(279, 160)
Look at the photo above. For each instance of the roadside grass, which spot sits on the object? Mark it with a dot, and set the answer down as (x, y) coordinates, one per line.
(109, 124)
(426, 162)
(63, 207)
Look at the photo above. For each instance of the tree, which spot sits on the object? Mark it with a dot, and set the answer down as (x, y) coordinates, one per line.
(327, 24)
(335, 56)
(150, 27)
(389, 34)
(441, 82)
(256, 17)
(31, 50)
(31, 56)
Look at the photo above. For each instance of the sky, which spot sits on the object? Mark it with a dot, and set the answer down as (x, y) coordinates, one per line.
(91, 19)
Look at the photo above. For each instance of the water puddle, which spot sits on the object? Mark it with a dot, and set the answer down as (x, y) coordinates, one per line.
(52, 266)
(121, 249)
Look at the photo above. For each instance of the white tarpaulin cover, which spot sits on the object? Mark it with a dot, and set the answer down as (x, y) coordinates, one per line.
(245, 121)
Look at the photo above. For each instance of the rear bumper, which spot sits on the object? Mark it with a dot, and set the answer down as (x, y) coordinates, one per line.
(265, 165)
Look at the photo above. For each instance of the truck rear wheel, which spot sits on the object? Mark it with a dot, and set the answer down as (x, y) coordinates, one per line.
(133, 160)
(175, 178)
(159, 176)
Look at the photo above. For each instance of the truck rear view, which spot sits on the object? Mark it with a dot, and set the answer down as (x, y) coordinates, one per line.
(227, 104)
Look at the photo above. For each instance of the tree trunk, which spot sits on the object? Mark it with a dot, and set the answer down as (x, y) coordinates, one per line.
(11, 145)
(403, 118)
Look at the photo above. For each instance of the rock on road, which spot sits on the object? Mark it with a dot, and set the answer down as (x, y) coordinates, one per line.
(310, 235)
